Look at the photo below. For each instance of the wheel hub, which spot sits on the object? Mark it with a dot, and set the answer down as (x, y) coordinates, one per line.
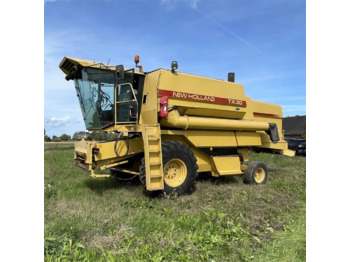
(259, 175)
(175, 172)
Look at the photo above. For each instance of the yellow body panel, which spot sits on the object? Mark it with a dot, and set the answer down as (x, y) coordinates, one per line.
(200, 138)
(106, 150)
(248, 139)
(227, 165)
(149, 110)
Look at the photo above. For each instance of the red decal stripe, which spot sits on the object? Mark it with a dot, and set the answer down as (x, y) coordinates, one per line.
(202, 98)
(265, 114)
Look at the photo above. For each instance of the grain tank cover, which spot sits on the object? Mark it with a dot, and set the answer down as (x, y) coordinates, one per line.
(199, 95)
(201, 87)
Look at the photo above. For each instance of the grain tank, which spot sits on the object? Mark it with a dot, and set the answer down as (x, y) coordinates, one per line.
(171, 126)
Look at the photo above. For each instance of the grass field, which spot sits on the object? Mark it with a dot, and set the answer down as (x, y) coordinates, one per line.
(48, 145)
(224, 220)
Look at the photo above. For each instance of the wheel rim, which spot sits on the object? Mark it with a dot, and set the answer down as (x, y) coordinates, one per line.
(175, 172)
(259, 175)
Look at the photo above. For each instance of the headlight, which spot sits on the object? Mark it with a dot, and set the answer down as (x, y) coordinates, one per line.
(301, 146)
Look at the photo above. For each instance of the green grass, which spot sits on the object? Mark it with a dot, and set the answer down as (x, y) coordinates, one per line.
(224, 220)
(49, 145)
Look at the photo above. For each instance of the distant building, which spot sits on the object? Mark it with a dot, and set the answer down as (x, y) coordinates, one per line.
(294, 126)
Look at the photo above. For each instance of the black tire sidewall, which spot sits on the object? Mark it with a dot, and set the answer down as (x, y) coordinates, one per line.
(251, 169)
(176, 150)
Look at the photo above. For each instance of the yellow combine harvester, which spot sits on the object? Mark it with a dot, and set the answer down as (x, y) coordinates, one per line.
(171, 125)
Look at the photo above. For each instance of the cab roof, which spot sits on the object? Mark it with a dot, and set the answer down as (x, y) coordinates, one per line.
(68, 63)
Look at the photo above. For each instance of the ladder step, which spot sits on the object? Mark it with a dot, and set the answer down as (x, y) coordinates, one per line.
(153, 157)
(153, 138)
(155, 163)
(154, 151)
(157, 188)
(156, 176)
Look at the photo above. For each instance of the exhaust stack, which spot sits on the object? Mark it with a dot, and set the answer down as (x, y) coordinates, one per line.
(231, 77)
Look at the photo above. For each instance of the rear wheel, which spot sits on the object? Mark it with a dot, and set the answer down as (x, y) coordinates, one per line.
(256, 173)
(179, 168)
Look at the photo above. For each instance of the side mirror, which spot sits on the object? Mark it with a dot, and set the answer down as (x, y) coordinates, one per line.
(133, 108)
(119, 72)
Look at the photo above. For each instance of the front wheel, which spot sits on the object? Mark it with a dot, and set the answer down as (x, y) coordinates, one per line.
(179, 168)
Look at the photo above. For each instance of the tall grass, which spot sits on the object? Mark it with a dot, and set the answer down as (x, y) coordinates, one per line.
(224, 220)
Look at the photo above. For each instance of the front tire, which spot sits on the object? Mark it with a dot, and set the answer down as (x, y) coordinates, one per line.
(179, 168)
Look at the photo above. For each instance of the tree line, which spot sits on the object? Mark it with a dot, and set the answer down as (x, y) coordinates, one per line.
(89, 136)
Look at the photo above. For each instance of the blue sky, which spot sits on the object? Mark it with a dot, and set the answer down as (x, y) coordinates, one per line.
(262, 41)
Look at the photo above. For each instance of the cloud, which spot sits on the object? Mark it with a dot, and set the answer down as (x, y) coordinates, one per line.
(194, 3)
(172, 4)
(56, 122)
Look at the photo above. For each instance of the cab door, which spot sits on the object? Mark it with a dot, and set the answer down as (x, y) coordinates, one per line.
(126, 107)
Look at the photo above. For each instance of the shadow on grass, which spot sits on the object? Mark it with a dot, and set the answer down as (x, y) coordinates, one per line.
(99, 186)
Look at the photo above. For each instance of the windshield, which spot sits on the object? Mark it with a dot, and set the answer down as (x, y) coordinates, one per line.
(95, 91)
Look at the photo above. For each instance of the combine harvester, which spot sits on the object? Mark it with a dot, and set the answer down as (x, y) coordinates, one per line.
(171, 125)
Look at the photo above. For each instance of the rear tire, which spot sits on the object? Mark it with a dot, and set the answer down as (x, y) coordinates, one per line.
(256, 173)
(179, 168)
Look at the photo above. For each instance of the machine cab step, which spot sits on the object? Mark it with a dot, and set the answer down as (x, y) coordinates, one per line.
(153, 157)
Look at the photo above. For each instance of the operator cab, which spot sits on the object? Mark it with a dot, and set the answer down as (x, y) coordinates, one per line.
(105, 98)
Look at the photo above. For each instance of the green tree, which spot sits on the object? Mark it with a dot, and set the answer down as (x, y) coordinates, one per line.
(79, 135)
(56, 139)
(47, 138)
(65, 137)
(98, 136)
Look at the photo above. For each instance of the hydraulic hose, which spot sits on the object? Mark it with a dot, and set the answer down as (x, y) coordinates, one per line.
(116, 144)
(126, 153)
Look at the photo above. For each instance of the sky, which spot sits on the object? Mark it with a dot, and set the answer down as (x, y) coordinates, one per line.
(262, 41)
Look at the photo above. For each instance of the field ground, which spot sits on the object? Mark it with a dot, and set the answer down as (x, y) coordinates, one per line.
(224, 220)
(69, 144)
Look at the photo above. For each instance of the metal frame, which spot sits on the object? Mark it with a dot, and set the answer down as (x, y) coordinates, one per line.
(121, 102)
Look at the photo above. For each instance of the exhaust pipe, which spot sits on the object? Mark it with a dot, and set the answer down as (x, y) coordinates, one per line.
(231, 77)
